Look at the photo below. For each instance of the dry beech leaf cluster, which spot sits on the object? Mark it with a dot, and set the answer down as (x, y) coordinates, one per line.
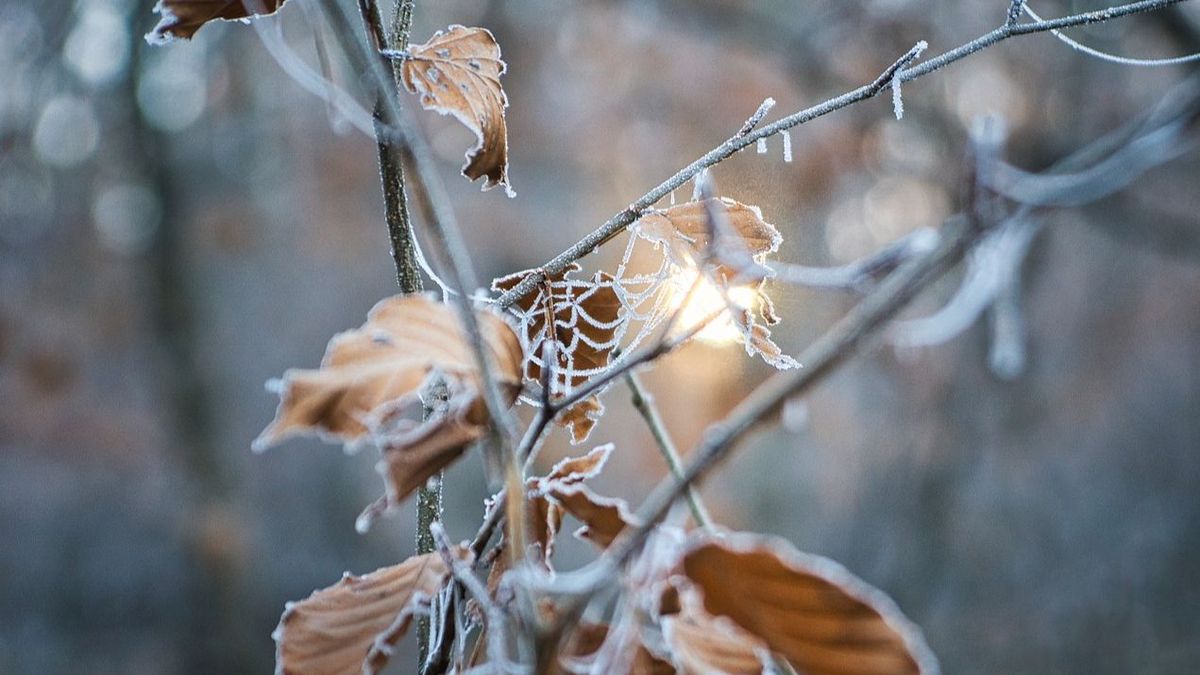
(694, 602)
(406, 382)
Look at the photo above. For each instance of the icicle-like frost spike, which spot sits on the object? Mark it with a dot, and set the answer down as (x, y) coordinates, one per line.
(787, 147)
(761, 146)
(898, 76)
(698, 184)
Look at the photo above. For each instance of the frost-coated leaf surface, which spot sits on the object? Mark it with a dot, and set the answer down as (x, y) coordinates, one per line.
(811, 610)
(457, 72)
(683, 232)
(366, 369)
(349, 628)
(182, 18)
(375, 381)
(603, 518)
(742, 243)
(587, 319)
(581, 418)
(701, 645)
(573, 470)
(544, 515)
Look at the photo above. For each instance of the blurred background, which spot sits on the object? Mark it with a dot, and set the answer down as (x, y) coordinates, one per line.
(180, 224)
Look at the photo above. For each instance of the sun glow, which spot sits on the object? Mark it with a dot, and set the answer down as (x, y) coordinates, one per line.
(705, 300)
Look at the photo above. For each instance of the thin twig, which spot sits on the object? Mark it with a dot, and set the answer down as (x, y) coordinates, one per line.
(465, 576)
(391, 169)
(644, 404)
(619, 222)
(403, 247)
(1014, 12)
(860, 274)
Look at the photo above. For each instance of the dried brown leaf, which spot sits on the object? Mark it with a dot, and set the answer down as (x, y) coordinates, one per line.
(388, 357)
(544, 517)
(809, 609)
(599, 300)
(182, 18)
(572, 470)
(701, 644)
(756, 338)
(683, 232)
(581, 418)
(411, 458)
(544, 522)
(371, 382)
(457, 72)
(351, 626)
(603, 518)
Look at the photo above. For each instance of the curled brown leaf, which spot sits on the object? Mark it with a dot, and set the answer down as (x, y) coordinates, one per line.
(701, 644)
(809, 609)
(573, 470)
(733, 253)
(603, 518)
(457, 72)
(351, 626)
(182, 18)
(375, 383)
(684, 233)
(366, 369)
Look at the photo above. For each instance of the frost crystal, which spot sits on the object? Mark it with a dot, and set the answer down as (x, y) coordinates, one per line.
(762, 146)
(787, 147)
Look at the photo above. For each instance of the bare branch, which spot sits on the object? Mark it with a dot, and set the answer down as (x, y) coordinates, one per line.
(462, 572)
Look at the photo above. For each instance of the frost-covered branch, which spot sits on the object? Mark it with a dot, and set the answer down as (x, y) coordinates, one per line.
(621, 221)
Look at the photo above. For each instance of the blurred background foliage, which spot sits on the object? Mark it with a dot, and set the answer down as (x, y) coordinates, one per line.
(180, 224)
